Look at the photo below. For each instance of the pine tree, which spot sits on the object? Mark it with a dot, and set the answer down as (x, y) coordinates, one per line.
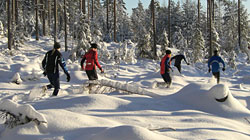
(215, 40)
(164, 41)
(83, 35)
(179, 41)
(138, 20)
(198, 44)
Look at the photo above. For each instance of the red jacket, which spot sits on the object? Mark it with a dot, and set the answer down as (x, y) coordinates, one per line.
(165, 64)
(91, 58)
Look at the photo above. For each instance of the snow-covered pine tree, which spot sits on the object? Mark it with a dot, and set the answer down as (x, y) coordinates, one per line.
(189, 20)
(245, 32)
(83, 35)
(215, 39)
(138, 20)
(96, 23)
(198, 44)
(163, 42)
(144, 46)
(178, 40)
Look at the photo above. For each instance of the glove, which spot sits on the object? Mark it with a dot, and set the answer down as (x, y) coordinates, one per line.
(44, 73)
(68, 77)
(223, 69)
(209, 70)
(102, 71)
(188, 63)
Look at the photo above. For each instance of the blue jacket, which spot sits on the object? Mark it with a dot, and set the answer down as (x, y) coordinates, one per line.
(215, 62)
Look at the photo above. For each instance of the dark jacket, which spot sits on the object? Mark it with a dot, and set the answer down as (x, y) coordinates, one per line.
(178, 59)
(51, 60)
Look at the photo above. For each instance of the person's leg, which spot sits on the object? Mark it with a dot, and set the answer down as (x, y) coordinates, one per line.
(179, 68)
(92, 75)
(56, 84)
(167, 78)
(50, 77)
(217, 76)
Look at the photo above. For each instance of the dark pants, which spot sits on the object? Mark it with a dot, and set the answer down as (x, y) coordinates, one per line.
(92, 75)
(178, 67)
(54, 82)
(166, 77)
(217, 76)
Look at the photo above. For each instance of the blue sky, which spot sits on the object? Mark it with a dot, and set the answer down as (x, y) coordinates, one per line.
(133, 3)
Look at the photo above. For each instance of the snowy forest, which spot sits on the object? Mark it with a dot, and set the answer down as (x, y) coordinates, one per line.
(130, 99)
(191, 28)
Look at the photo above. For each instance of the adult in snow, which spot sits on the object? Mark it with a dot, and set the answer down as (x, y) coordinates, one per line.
(215, 61)
(165, 68)
(91, 58)
(178, 58)
(50, 65)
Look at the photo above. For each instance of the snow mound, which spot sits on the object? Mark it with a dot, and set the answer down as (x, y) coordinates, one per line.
(23, 111)
(16, 79)
(128, 132)
(217, 100)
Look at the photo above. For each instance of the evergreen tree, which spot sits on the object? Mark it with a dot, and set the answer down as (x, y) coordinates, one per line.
(215, 40)
(179, 41)
(83, 35)
(164, 41)
(198, 44)
(138, 20)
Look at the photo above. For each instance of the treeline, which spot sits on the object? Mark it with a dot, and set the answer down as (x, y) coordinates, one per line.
(222, 25)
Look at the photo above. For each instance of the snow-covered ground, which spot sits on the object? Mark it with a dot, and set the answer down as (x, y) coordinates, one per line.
(186, 110)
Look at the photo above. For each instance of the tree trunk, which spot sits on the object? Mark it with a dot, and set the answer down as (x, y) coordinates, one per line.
(65, 27)
(239, 28)
(55, 22)
(80, 5)
(154, 27)
(37, 28)
(107, 16)
(49, 14)
(83, 6)
(88, 9)
(199, 18)
(169, 24)
(114, 20)
(210, 29)
(9, 24)
(92, 13)
(43, 2)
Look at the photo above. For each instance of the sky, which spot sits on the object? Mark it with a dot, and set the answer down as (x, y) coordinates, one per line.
(133, 3)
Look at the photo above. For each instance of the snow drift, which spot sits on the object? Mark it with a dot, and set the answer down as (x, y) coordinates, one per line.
(204, 99)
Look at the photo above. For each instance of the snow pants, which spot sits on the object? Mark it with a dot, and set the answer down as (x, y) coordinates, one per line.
(92, 75)
(217, 76)
(178, 67)
(54, 82)
(167, 78)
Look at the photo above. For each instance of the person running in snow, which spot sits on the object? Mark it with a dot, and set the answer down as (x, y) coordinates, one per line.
(215, 61)
(50, 65)
(178, 58)
(91, 58)
(165, 68)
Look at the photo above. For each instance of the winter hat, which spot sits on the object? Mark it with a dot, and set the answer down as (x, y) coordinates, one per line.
(94, 45)
(216, 52)
(168, 52)
(57, 45)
